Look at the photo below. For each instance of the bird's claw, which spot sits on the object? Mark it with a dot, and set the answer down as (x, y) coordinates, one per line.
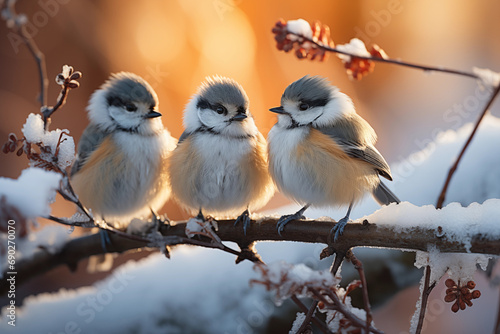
(245, 218)
(105, 239)
(338, 229)
(159, 221)
(280, 225)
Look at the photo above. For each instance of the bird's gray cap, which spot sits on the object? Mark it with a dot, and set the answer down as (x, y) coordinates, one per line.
(309, 89)
(219, 89)
(128, 87)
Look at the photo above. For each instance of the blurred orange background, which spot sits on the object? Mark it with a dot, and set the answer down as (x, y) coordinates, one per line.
(175, 44)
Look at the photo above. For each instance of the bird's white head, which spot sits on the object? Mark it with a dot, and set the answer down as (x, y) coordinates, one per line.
(312, 100)
(220, 105)
(125, 102)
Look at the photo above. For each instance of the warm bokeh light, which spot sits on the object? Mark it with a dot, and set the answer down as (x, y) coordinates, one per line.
(174, 45)
(228, 48)
(158, 33)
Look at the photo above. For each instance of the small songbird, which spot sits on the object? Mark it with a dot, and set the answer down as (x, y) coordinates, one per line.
(120, 171)
(321, 152)
(220, 164)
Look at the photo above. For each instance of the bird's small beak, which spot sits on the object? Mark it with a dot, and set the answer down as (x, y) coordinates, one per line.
(152, 114)
(278, 110)
(239, 117)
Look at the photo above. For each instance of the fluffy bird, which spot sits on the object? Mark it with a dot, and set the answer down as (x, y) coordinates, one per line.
(322, 153)
(220, 164)
(120, 171)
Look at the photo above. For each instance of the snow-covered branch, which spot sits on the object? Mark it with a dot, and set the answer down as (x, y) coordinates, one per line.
(436, 234)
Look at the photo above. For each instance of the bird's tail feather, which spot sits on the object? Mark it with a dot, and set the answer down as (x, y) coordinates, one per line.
(384, 196)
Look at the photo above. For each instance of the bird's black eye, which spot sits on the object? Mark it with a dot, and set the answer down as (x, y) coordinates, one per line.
(303, 106)
(220, 109)
(130, 107)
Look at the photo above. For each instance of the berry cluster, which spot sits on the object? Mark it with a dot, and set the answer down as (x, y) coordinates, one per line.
(461, 295)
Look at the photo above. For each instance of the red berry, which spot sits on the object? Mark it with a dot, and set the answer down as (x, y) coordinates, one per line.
(450, 283)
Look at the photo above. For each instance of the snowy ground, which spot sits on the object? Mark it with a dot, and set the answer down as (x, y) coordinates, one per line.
(201, 290)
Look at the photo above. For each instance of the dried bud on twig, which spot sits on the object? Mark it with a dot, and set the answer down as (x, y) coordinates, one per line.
(304, 38)
(11, 145)
(313, 41)
(68, 77)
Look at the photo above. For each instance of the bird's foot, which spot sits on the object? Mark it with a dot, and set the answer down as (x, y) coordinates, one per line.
(245, 218)
(105, 239)
(159, 221)
(338, 229)
(288, 218)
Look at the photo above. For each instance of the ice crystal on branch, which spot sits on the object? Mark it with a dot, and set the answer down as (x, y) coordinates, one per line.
(29, 196)
(487, 78)
(50, 150)
(287, 279)
(355, 66)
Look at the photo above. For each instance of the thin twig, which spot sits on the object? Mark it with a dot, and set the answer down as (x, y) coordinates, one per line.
(20, 28)
(497, 325)
(336, 304)
(426, 291)
(308, 318)
(453, 168)
(61, 100)
(320, 324)
(337, 262)
(426, 68)
(366, 301)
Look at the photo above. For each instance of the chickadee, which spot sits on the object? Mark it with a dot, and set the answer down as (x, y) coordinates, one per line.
(321, 152)
(120, 170)
(220, 164)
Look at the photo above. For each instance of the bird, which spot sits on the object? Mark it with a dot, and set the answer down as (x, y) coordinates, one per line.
(322, 153)
(120, 170)
(220, 163)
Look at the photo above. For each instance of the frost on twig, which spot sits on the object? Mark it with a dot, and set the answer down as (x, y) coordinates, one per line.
(56, 148)
(286, 280)
(202, 227)
(22, 201)
(488, 79)
(31, 193)
(301, 37)
(67, 79)
(459, 267)
(356, 58)
(298, 281)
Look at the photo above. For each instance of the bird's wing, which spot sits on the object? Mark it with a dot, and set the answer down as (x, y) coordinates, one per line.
(91, 138)
(355, 149)
(184, 136)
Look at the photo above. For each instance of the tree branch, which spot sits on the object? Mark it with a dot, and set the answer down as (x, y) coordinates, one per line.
(453, 168)
(309, 231)
(321, 325)
(426, 291)
(18, 25)
(320, 45)
(358, 265)
(336, 304)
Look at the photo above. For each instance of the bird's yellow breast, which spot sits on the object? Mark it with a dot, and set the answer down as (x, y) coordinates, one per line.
(337, 179)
